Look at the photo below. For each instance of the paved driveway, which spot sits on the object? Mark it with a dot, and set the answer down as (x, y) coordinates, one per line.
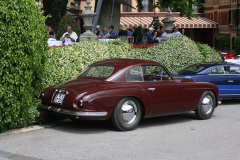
(179, 137)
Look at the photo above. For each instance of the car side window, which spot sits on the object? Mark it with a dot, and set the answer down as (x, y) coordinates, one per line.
(234, 70)
(217, 71)
(221, 70)
(155, 73)
(213, 71)
(225, 70)
(134, 74)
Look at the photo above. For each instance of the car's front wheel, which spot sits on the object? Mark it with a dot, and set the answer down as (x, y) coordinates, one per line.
(206, 105)
(127, 114)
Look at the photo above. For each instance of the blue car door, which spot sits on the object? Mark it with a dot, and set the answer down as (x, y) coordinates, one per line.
(227, 78)
(233, 78)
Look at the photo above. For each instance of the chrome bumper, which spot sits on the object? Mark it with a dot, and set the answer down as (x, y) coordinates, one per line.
(73, 113)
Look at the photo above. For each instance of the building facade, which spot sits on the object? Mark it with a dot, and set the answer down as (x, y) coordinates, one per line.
(226, 14)
(219, 17)
(200, 30)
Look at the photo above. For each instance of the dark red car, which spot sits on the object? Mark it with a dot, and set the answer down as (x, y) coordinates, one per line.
(126, 90)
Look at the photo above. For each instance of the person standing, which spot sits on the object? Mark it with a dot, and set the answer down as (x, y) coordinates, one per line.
(150, 38)
(97, 31)
(129, 33)
(70, 37)
(222, 56)
(134, 34)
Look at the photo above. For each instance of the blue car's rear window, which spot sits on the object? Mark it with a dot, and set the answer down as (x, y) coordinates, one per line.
(192, 69)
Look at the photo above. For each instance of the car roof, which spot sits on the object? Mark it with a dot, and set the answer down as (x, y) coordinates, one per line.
(124, 62)
(122, 65)
(210, 64)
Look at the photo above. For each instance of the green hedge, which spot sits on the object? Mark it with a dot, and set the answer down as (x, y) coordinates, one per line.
(208, 53)
(68, 62)
(237, 44)
(223, 43)
(23, 46)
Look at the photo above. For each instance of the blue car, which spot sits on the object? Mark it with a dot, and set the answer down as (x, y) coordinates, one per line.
(225, 75)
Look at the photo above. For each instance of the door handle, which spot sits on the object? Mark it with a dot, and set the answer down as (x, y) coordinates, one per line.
(151, 89)
(230, 80)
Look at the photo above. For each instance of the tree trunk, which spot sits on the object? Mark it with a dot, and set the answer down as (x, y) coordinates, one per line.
(106, 13)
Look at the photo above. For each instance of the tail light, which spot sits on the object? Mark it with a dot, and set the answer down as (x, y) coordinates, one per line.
(42, 95)
(80, 103)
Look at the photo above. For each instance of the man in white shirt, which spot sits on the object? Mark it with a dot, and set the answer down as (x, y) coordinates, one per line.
(163, 32)
(70, 37)
(175, 31)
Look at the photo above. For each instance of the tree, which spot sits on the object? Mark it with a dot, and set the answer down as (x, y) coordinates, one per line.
(183, 6)
(107, 17)
(56, 9)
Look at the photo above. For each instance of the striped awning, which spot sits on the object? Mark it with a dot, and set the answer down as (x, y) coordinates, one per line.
(181, 22)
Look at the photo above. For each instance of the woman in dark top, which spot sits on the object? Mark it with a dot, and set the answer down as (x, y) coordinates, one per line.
(51, 33)
(123, 32)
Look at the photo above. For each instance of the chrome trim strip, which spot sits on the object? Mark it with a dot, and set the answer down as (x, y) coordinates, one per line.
(230, 89)
(74, 113)
(230, 94)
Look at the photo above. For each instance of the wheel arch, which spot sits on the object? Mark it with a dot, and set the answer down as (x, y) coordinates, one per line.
(141, 103)
(216, 99)
(216, 96)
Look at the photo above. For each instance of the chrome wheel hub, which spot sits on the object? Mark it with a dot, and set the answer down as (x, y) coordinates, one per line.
(207, 104)
(129, 112)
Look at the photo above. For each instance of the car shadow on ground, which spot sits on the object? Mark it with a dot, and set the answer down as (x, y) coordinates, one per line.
(82, 126)
(230, 101)
(94, 127)
(167, 120)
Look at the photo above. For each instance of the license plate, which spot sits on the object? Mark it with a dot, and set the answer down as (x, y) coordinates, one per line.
(59, 96)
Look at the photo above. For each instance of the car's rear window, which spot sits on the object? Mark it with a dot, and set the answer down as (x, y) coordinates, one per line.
(190, 70)
(99, 71)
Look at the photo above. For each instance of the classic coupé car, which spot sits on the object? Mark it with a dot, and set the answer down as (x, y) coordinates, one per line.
(126, 90)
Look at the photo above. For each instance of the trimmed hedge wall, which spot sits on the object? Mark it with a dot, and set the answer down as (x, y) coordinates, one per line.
(23, 46)
(223, 43)
(68, 62)
(237, 44)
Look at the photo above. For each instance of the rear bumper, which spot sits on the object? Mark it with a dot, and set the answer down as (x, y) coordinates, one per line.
(72, 113)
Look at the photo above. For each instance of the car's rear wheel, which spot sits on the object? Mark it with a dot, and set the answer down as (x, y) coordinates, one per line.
(206, 105)
(127, 114)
